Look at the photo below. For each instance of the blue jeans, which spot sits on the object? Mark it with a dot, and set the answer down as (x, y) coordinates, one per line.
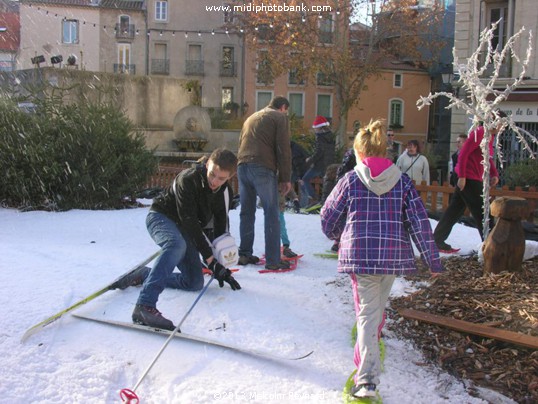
(177, 250)
(307, 188)
(257, 180)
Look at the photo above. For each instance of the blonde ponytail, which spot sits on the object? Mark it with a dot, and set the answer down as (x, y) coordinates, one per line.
(371, 140)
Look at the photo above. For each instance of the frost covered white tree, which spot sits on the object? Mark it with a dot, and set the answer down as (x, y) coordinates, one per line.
(483, 98)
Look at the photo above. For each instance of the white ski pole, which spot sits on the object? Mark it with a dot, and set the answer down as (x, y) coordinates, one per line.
(129, 394)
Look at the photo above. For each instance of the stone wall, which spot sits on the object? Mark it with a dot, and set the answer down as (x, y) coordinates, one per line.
(151, 102)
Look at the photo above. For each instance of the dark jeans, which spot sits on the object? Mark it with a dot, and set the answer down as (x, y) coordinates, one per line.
(470, 197)
(257, 180)
(307, 188)
(177, 250)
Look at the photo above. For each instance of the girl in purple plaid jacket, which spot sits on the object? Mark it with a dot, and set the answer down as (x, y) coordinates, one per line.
(376, 211)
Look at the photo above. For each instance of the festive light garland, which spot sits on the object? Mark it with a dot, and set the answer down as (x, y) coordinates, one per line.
(161, 31)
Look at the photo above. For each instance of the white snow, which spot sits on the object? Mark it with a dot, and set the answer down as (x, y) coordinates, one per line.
(50, 261)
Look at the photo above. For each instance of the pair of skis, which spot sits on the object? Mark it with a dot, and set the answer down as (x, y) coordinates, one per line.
(111, 286)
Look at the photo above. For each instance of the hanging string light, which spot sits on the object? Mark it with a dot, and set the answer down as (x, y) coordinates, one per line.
(162, 32)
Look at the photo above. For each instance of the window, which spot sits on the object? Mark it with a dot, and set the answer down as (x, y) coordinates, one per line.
(326, 30)
(161, 10)
(124, 23)
(227, 63)
(264, 72)
(160, 63)
(195, 52)
(194, 64)
(295, 77)
(396, 113)
(398, 80)
(124, 58)
(70, 31)
(324, 105)
(498, 12)
(296, 104)
(263, 98)
(227, 96)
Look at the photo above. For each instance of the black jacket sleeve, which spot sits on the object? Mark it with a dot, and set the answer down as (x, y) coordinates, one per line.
(191, 198)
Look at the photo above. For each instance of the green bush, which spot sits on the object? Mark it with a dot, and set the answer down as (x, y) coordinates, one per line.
(523, 173)
(70, 156)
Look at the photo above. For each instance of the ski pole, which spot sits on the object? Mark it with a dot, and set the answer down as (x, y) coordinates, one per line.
(130, 395)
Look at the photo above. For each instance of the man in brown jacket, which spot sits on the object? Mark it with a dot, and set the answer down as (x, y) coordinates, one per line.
(264, 166)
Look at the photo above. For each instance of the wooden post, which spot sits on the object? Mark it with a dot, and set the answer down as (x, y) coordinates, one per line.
(505, 246)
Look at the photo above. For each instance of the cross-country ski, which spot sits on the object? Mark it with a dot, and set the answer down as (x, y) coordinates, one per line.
(194, 338)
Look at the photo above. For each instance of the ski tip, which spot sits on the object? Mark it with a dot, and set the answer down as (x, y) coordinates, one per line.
(26, 335)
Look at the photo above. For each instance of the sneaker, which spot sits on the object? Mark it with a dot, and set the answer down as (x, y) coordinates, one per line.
(335, 246)
(245, 260)
(364, 390)
(151, 317)
(282, 265)
(296, 206)
(288, 253)
(135, 278)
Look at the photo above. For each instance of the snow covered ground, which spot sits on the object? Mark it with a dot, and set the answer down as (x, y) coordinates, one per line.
(51, 260)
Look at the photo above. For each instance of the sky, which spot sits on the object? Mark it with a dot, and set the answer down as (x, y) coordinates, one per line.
(51, 260)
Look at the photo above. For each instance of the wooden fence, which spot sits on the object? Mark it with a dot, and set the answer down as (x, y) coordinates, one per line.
(435, 196)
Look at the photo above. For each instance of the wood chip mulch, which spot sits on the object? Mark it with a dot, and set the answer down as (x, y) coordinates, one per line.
(506, 301)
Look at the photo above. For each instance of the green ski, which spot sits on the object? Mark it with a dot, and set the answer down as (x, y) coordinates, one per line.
(33, 330)
(331, 255)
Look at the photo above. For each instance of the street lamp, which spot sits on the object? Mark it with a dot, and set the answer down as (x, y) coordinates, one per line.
(447, 81)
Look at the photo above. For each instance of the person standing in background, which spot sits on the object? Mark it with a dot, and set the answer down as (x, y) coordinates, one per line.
(392, 146)
(264, 166)
(324, 154)
(468, 192)
(462, 137)
(414, 164)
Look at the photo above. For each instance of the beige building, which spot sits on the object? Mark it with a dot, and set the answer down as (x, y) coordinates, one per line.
(307, 98)
(91, 35)
(472, 16)
(186, 39)
(143, 37)
(393, 96)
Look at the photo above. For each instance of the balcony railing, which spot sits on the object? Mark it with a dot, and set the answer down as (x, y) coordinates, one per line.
(124, 31)
(228, 69)
(125, 69)
(194, 67)
(160, 66)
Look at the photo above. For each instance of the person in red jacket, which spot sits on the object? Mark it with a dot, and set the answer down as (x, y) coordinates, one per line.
(468, 192)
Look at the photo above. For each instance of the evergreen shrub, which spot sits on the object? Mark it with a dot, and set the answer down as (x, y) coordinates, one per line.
(70, 156)
(523, 173)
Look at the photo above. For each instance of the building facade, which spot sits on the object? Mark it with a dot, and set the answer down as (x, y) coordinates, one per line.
(473, 16)
(393, 96)
(9, 34)
(178, 39)
(63, 30)
(187, 39)
(308, 96)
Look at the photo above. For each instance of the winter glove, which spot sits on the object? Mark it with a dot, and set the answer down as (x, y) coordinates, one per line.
(223, 274)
